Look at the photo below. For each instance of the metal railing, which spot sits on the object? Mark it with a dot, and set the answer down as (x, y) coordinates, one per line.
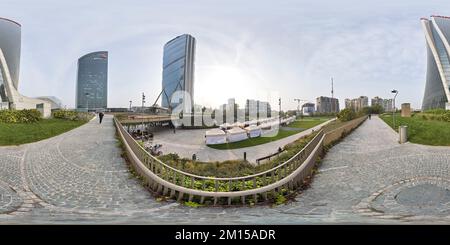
(169, 181)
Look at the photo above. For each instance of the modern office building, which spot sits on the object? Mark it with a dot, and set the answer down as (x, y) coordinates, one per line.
(178, 71)
(308, 109)
(92, 82)
(10, 45)
(327, 105)
(437, 35)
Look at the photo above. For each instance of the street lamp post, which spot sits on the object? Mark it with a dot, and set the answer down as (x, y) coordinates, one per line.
(143, 102)
(130, 104)
(393, 111)
(279, 116)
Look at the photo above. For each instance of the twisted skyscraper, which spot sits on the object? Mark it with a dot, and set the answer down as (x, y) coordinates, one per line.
(437, 88)
(10, 41)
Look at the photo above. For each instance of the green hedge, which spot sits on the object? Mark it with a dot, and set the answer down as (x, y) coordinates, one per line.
(72, 115)
(20, 116)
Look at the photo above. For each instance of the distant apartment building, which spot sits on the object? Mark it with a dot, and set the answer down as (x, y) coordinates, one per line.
(327, 105)
(376, 101)
(231, 104)
(357, 104)
(388, 104)
(348, 104)
(257, 109)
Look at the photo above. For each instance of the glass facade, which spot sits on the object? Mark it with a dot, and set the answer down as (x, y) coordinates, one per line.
(437, 88)
(92, 81)
(10, 42)
(178, 69)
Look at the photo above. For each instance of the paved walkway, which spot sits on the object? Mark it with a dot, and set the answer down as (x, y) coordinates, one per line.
(79, 177)
(192, 141)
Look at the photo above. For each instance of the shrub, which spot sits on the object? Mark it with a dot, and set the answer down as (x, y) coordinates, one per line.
(193, 204)
(436, 114)
(280, 200)
(72, 115)
(346, 115)
(20, 116)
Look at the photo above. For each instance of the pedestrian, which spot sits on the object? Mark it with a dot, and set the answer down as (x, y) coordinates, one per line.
(100, 115)
(370, 116)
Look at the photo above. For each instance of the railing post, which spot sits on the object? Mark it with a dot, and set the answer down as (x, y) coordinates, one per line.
(264, 181)
(230, 185)
(272, 173)
(216, 185)
(192, 182)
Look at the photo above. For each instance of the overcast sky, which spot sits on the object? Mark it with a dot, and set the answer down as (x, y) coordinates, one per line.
(245, 49)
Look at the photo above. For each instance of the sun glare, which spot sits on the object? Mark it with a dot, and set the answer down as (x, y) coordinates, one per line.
(216, 84)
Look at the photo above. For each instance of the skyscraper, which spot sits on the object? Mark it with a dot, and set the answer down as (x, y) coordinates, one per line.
(178, 70)
(92, 81)
(437, 35)
(10, 45)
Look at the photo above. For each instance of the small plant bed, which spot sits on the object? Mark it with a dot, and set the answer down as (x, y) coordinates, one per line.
(427, 128)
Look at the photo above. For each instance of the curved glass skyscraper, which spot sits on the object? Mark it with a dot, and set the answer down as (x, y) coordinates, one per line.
(437, 88)
(10, 39)
(10, 98)
(92, 81)
(178, 70)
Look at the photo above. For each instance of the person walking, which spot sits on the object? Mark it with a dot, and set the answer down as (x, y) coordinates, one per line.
(370, 116)
(100, 115)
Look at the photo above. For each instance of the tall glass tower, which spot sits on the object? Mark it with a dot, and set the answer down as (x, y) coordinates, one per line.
(10, 42)
(10, 98)
(178, 70)
(437, 88)
(92, 81)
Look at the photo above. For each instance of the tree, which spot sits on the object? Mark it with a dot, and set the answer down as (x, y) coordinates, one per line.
(346, 115)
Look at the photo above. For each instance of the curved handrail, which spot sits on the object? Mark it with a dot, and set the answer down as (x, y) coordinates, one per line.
(227, 178)
(254, 191)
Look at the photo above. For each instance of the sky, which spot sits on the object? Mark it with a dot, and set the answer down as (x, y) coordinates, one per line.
(254, 49)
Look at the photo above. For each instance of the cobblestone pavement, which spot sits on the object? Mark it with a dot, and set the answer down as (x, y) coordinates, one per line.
(79, 177)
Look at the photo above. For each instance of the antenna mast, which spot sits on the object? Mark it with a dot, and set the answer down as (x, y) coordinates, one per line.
(332, 88)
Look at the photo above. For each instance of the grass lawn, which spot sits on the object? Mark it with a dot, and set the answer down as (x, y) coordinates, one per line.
(306, 123)
(21, 133)
(421, 131)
